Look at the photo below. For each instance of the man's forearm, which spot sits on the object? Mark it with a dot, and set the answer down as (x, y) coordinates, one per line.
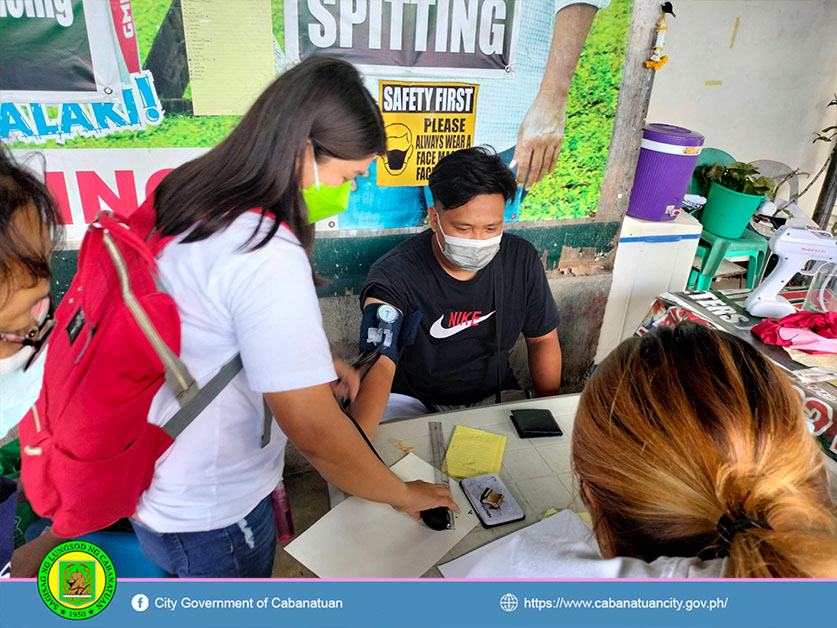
(545, 364)
(371, 400)
(572, 24)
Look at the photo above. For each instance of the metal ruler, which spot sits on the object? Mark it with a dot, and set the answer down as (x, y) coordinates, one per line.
(437, 451)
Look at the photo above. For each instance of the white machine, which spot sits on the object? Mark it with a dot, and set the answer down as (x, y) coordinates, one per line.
(800, 250)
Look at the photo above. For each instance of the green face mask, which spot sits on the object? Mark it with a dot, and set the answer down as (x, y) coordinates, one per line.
(324, 201)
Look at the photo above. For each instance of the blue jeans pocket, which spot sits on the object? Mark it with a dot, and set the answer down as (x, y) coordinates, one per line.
(244, 549)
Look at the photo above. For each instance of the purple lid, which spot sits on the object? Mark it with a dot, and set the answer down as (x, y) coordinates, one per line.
(670, 134)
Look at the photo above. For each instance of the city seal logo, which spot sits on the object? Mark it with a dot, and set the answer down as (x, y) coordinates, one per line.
(77, 580)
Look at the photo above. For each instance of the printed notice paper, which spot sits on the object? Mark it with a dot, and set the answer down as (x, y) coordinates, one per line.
(230, 51)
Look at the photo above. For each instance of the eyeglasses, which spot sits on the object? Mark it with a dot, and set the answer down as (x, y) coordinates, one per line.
(37, 335)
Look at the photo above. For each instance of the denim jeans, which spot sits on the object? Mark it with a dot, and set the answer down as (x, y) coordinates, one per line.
(242, 550)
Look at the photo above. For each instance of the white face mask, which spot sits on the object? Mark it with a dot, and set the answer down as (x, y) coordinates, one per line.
(469, 255)
(16, 361)
(19, 389)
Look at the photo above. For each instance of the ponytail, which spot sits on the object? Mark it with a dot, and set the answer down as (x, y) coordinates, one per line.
(691, 443)
(801, 538)
(777, 554)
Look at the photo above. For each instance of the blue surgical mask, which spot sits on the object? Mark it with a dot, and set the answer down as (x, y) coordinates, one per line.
(19, 389)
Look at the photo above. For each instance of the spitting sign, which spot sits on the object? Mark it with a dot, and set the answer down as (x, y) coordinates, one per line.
(424, 122)
(408, 37)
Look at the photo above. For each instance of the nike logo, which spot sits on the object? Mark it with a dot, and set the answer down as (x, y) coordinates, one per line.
(440, 332)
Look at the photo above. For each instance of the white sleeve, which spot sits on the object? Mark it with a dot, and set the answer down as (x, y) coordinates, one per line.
(599, 4)
(569, 550)
(554, 556)
(277, 319)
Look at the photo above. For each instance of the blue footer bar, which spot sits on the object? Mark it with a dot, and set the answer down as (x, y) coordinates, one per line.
(428, 603)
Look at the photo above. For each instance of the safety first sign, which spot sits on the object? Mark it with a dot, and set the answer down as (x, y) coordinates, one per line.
(424, 122)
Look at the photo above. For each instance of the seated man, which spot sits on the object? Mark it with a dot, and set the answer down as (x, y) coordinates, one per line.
(474, 286)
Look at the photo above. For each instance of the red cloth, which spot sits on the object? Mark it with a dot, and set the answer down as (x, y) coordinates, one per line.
(824, 325)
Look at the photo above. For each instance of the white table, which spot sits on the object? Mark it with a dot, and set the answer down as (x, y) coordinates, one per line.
(537, 471)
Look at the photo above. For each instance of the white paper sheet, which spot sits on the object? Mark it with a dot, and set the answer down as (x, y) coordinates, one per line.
(564, 523)
(363, 539)
(230, 50)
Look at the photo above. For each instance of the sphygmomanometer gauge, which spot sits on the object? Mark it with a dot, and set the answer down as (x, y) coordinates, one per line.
(387, 314)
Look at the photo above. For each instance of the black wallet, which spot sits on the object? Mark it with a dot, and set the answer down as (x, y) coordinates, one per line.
(534, 423)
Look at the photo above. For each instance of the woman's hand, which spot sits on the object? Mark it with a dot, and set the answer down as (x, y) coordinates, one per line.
(347, 383)
(423, 495)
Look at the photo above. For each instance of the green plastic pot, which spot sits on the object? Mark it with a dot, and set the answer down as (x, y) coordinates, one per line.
(727, 213)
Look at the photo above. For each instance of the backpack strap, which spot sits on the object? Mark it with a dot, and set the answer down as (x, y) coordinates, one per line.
(184, 417)
(177, 375)
(192, 400)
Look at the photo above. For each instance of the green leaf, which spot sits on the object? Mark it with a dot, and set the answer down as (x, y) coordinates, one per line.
(764, 185)
(738, 177)
(742, 169)
(715, 171)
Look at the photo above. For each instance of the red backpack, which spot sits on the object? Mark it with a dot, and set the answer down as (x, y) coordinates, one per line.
(88, 449)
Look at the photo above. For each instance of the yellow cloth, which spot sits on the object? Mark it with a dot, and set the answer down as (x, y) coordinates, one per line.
(474, 452)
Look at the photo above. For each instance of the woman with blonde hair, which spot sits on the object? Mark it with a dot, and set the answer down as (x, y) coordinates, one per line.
(695, 460)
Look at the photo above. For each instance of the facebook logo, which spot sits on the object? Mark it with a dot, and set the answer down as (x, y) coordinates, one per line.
(139, 602)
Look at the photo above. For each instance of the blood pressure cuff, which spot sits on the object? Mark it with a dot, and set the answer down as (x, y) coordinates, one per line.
(403, 332)
(370, 322)
(409, 330)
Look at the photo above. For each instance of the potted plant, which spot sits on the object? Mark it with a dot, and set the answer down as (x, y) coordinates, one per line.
(735, 192)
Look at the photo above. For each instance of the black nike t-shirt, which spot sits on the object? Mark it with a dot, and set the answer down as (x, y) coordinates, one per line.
(454, 358)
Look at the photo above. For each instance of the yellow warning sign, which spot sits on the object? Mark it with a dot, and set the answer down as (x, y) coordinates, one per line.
(424, 122)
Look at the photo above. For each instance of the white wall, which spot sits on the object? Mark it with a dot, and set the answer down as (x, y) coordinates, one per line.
(775, 79)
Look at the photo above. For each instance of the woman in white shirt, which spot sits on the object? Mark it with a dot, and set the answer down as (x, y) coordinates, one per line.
(240, 274)
(695, 460)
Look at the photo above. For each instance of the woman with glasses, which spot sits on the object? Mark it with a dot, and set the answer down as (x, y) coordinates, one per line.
(28, 218)
(32, 343)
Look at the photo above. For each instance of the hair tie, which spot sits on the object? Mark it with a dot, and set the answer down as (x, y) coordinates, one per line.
(727, 528)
